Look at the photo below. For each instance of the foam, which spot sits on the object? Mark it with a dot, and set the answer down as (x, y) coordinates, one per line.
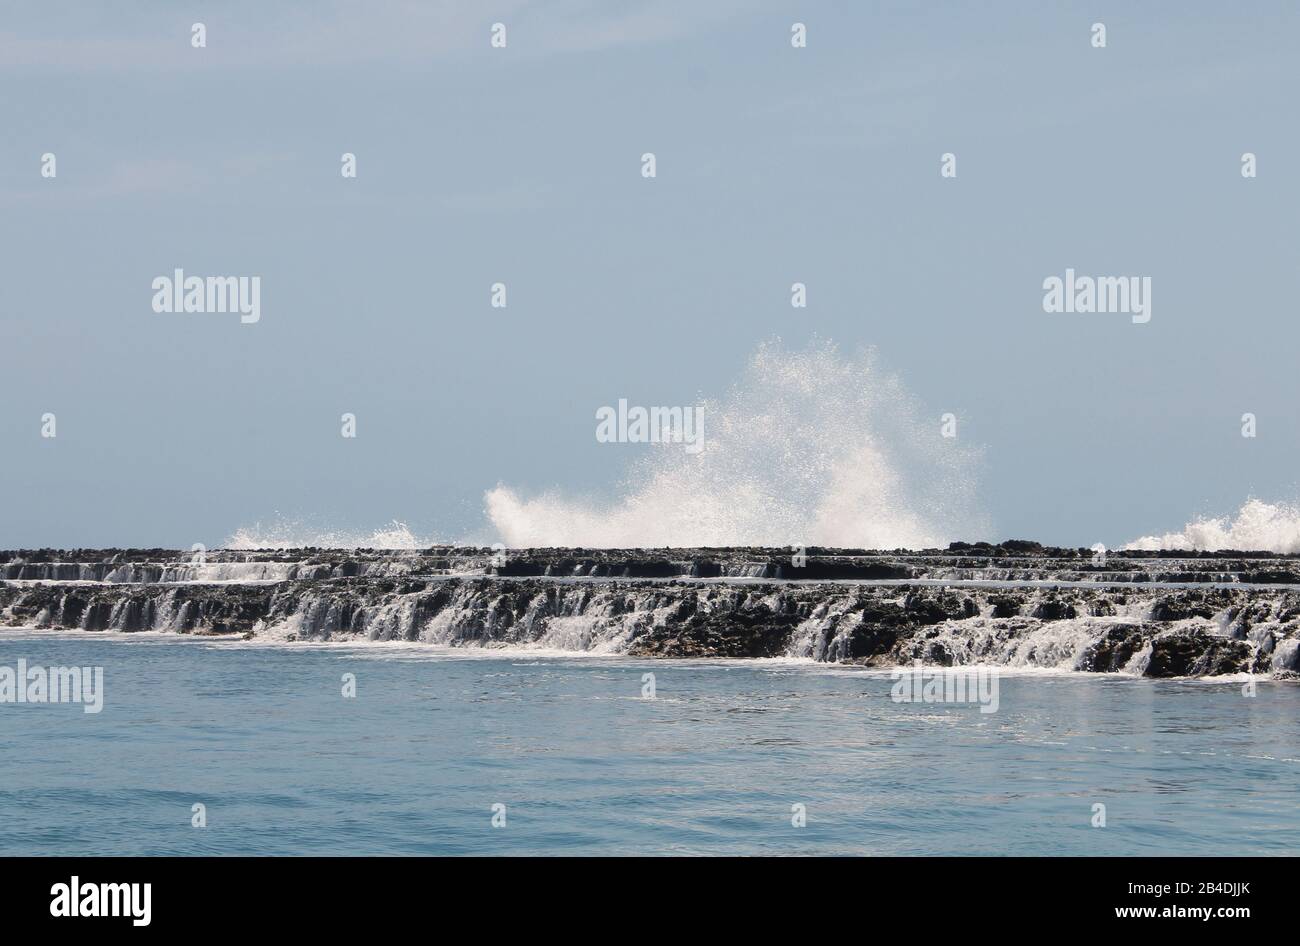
(1258, 526)
(291, 534)
(809, 448)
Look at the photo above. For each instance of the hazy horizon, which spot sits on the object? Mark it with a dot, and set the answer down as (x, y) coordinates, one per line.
(523, 165)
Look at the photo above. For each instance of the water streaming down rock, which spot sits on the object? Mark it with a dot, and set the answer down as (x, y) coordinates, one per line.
(1013, 605)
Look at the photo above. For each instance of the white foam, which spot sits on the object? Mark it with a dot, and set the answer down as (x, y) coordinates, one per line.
(1257, 527)
(292, 534)
(810, 447)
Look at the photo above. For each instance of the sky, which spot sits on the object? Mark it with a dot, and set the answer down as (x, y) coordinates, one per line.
(522, 164)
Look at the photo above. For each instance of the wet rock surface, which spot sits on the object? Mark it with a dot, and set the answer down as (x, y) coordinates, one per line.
(1017, 604)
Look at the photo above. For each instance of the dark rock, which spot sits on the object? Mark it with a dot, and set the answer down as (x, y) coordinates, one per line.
(1054, 609)
(656, 603)
(1112, 651)
(1005, 606)
(1197, 653)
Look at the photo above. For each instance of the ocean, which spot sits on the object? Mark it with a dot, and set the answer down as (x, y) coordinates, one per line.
(521, 750)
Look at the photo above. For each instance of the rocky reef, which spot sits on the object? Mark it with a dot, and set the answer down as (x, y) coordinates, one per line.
(1016, 604)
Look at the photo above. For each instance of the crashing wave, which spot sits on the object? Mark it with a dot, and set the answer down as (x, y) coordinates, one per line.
(1258, 526)
(810, 447)
(294, 534)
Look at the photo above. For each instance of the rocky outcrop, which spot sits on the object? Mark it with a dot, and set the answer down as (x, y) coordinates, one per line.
(1142, 614)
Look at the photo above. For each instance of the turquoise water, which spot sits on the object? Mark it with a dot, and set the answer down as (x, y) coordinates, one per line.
(262, 736)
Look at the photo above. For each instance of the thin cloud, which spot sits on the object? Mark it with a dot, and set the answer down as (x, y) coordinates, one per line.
(250, 36)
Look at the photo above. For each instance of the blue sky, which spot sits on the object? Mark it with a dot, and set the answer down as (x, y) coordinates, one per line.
(775, 165)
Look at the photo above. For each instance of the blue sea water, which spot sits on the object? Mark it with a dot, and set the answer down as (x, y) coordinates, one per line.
(262, 736)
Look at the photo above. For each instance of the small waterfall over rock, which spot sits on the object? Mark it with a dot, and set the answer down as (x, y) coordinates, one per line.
(1147, 613)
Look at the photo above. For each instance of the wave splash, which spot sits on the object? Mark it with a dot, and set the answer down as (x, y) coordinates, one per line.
(809, 448)
(294, 534)
(1258, 526)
